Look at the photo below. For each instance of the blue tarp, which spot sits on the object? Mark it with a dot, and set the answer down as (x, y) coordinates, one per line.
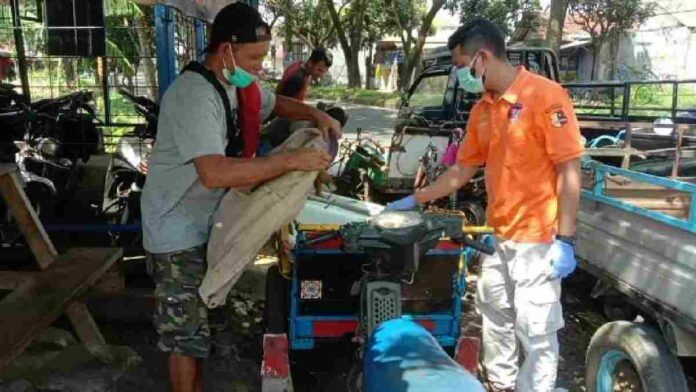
(402, 356)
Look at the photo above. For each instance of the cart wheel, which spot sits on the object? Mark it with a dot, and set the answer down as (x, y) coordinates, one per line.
(631, 356)
(275, 313)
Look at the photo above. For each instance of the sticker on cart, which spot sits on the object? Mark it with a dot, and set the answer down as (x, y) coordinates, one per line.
(310, 289)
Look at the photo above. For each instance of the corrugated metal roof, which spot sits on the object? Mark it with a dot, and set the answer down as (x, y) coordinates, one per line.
(201, 9)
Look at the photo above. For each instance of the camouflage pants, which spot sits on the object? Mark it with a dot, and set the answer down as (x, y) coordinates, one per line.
(181, 318)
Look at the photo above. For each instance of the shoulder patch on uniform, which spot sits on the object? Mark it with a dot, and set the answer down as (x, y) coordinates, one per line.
(555, 106)
(558, 118)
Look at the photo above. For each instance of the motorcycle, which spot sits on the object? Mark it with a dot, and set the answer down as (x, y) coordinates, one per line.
(57, 134)
(47, 139)
(127, 170)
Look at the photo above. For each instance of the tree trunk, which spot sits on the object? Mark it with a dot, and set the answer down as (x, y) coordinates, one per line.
(614, 52)
(406, 75)
(351, 47)
(401, 82)
(69, 71)
(554, 31)
(354, 79)
(369, 71)
(595, 49)
(413, 55)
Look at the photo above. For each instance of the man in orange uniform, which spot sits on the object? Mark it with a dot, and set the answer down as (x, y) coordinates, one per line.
(525, 132)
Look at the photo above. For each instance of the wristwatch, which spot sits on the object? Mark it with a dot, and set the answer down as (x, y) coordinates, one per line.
(568, 239)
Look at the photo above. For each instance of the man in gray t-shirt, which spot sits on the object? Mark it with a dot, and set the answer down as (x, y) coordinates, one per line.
(190, 170)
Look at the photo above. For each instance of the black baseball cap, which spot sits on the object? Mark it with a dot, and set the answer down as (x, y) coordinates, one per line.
(238, 23)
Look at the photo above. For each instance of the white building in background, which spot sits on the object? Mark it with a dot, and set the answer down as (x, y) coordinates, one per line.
(665, 43)
(663, 47)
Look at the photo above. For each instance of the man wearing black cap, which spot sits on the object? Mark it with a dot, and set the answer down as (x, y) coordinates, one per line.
(207, 136)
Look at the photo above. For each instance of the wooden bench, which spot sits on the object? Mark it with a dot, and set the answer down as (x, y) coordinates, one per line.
(38, 298)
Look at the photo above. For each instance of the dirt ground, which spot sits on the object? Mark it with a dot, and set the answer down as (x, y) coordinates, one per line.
(234, 365)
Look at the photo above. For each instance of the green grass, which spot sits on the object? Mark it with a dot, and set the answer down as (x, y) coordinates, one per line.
(346, 94)
(355, 95)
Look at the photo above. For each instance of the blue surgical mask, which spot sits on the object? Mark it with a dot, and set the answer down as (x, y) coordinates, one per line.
(468, 81)
(240, 78)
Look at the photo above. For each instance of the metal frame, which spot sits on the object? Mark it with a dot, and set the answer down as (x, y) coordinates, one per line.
(166, 56)
(446, 325)
(597, 194)
(19, 43)
(165, 30)
(627, 90)
(200, 40)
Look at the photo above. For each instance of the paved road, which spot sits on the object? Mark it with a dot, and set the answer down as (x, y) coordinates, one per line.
(371, 119)
(377, 122)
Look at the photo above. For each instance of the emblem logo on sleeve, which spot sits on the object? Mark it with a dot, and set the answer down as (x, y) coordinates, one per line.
(558, 119)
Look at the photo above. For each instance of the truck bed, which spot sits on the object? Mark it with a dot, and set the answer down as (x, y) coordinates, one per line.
(638, 232)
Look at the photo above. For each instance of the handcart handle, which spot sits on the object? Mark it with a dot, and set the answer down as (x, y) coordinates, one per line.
(479, 246)
(322, 238)
(477, 230)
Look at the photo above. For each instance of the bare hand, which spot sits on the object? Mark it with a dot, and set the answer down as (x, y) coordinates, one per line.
(309, 159)
(329, 126)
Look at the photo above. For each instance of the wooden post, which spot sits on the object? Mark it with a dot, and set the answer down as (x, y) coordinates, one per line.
(628, 150)
(88, 331)
(677, 151)
(27, 220)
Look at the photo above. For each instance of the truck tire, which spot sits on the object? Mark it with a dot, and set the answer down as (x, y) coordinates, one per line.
(275, 312)
(635, 346)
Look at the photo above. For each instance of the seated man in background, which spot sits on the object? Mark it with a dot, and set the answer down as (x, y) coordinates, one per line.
(298, 76)
(295, 84)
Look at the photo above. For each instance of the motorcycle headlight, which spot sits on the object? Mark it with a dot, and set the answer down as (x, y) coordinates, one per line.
(135, 153)
(397, 219)
(49, 147)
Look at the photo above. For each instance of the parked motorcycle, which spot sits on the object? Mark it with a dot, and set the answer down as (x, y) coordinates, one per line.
(58, 133)
(125, 176)
(46, 139)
